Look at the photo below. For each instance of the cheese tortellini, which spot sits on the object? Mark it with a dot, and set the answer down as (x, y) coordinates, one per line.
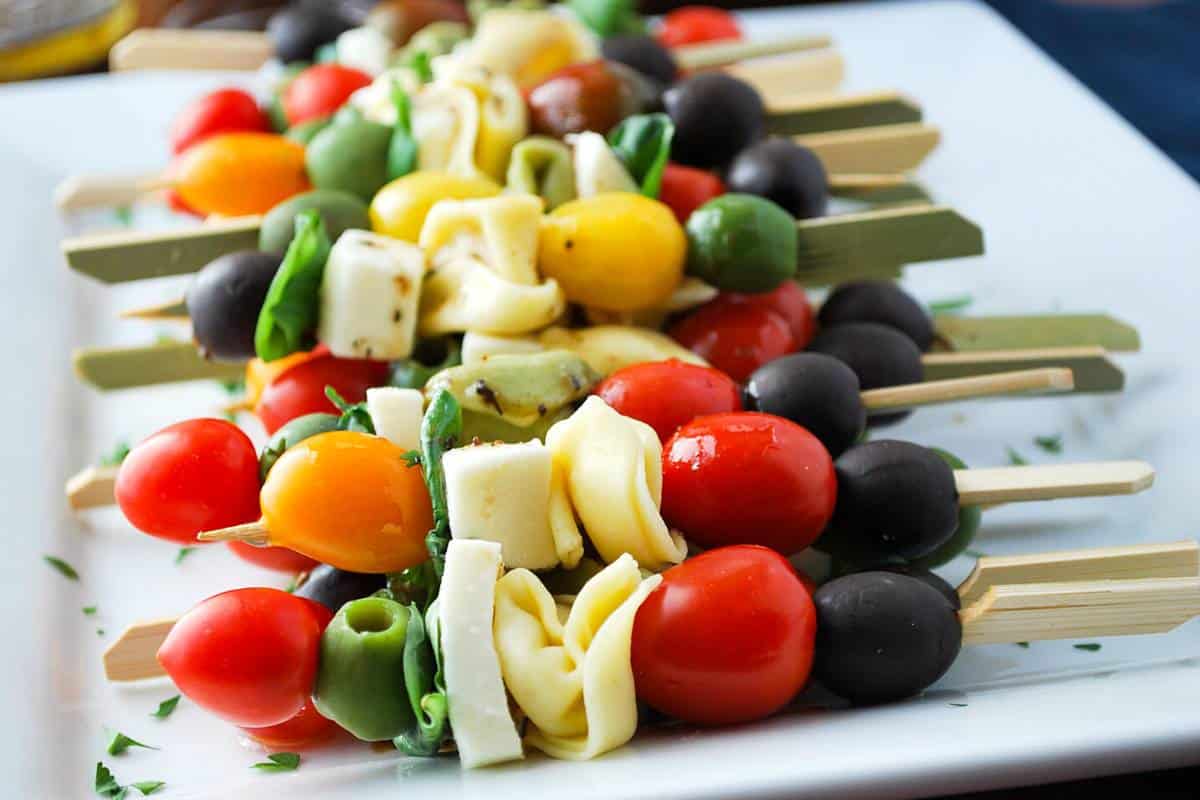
(606, 348)
(528, 45)
(483, 277)
(573, 679)
(608, 468)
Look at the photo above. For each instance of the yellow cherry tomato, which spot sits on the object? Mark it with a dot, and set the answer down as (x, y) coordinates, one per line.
(399, 209)
(348, 499)
(236, 174)
(616, 251)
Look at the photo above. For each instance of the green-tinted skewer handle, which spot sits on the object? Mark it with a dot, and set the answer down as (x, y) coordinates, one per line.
(838, 112)
(1094, 371)
(167, 362)
(1027, 332)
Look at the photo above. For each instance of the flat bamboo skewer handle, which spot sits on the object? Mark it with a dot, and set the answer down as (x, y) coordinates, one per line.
(1171, 560)
(816, 71)
(865, 181)
(721, 54)
(79, 192)
(132, 657)
(1051, 482)
(1023, 613)
(948, 391)
(159, 48)
(92, 487)
(881, 148)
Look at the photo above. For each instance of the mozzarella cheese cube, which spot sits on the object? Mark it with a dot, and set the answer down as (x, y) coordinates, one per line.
(478, 347)
(396, 414)
(369, 296)
(597, 168)
(478, 703)
(367, 49)
(501, 493)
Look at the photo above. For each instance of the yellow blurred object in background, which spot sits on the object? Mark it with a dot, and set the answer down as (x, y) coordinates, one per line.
(39, 38)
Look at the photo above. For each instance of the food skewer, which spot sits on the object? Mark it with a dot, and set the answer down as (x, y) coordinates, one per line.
(1106, 591)
(93, 486)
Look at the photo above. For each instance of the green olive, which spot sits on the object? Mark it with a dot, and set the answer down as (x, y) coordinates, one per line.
(350, 156)
(968, 525)
(306, 131)
(741, 243)
(339, 210)
(292, 433)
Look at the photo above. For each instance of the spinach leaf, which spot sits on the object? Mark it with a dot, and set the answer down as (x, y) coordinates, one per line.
(643, 143)
(289, 314)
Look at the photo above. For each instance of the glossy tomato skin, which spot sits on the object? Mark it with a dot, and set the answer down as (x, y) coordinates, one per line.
(667, 394)
(580, 97)
(248, 656)
(735, 339)
(748, 478)
(321, 90)
(788, 301)
(696, 24)
(222, 111)
(307, 729)
(685, 189)
(279, 559)
(300, 390)
(727, 637)
(192, 476)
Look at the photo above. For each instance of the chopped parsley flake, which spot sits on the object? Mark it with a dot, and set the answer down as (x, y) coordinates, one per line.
(1051, 444)
(950, 305)
(1015, 458)
(119, 743)
(65, 569)
(1090, 647)
(278, 762)
(166, 707)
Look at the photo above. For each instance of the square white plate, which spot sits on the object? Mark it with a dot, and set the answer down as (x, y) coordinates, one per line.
(1080, 214)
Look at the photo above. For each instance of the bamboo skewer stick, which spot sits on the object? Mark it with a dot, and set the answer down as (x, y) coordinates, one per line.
(818, 71)
(711, 55)
(829, 247)
(847, 182)
(1051, 482)
(1111, 591)
(106, 191)
(161, 48)
(92, 487)
(1172, 560)
(882, 148)
(949, 391)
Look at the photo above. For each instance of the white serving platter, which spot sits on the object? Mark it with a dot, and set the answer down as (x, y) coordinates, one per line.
(1080, 214)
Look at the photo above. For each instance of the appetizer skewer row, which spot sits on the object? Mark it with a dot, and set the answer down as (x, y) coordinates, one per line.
(579, 645)
(582, 95)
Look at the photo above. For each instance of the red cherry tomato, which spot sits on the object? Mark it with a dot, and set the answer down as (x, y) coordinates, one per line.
(222, 111)
(301, 389)
(788, 301)
(248, 656)
(321, 90)
(580, 97)
(696, 24)
(727, 637)
(748, 478)
(279, 559)
(667, 394)
(307, 729)
(190, 477)
(684, 189)
(735, 339)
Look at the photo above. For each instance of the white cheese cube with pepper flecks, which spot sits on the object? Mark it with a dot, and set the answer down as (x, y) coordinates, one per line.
(396, 414)
(369, 296)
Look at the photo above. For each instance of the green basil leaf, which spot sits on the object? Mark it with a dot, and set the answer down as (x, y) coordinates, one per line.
(643, 143)
(289, 314)
(148, 787)
(608, 17)
(426, 689)
(402, 150)
(166, 707)
(355, 416)
(119, 743)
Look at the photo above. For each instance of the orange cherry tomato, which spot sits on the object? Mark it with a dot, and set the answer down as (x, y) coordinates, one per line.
(306, 729)
(348, 499)
(238, 174)
(279, 559)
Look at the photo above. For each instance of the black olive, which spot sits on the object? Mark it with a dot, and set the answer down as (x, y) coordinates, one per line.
(816, 391)
(784, 172)
(895, 500)
(880, 356)
(883, 636)
(333, 588)
(878, 301)
(924, 576)
(642, 53)
(715, 117)
(225, 299)
(296, 32)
